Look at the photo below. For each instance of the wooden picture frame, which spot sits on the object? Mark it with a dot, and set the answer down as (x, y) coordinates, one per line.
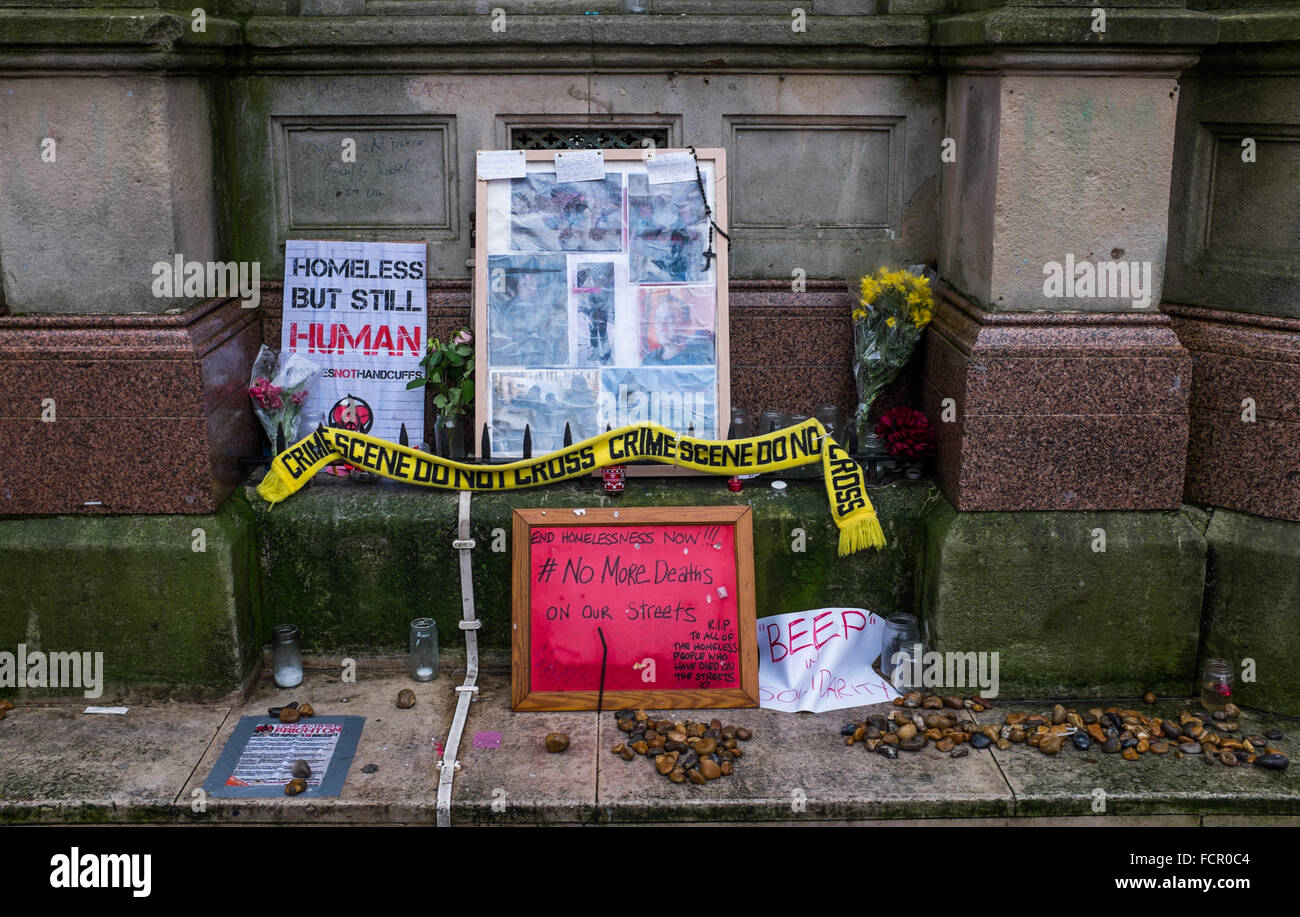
(488, 228)
(523, 696)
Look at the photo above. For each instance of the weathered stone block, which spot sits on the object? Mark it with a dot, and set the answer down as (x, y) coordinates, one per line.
(169, 600)
(1252, 606)
(1067, 619)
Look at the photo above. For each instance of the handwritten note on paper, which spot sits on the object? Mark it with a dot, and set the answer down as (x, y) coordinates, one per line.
(820, 660)
(501, 164)
(666, 168)
(580, 165)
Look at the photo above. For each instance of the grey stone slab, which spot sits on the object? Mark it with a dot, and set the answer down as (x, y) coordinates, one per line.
(68, 766)
(520, 782)
(797, 768)
(404, 788)
(1065, 784)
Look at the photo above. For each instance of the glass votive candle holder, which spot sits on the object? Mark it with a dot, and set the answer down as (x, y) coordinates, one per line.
(424, 649)
(1217, 684)
(286, 656)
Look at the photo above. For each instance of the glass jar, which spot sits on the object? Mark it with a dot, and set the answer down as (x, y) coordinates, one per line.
(742, 423)
(424, 649)
(902, 634)
(286, 656)
(828, 415)
(769, 421)
(1217, 683)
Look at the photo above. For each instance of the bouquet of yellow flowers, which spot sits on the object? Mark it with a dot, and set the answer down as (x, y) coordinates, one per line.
(893, 308)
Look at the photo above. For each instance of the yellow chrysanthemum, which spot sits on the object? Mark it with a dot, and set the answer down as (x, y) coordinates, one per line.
(870, 289)
(890, 321)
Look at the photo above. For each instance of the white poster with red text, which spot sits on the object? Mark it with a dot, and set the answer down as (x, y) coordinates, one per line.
(358, 309)
(821, 660)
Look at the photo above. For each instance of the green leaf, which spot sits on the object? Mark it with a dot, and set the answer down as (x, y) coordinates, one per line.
(467, 390)
(464, 350)
(454, 358)
(416, 383)
(440, 401)
(453, 395)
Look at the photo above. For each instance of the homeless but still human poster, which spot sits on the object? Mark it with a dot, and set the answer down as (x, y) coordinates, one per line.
(358, 310)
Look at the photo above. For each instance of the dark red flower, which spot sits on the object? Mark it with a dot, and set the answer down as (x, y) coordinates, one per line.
(907, 433)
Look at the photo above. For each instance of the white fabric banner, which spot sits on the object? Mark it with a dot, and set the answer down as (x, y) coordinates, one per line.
(820, 660)
(358, 310)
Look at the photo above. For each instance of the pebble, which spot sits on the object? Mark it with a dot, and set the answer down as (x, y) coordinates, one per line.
(1149, 697)
(301, 768)
(960, 751)
(906, 731)
(888, 751)
(727, 768)
(405, 699)
(1129, 754)
(1275, 734)
(1050, 745)
(306, 710)
(932, 703)
(707, 746)
(664, 764)
(639, 747)
(710, 769)
(1231, 710)
(1058, 715)
(1273, 762)
(912, 699)
(370, 769)
(1171, 730)
(677, 776)
(945, 745)
(695, 776)
(289, 715)
(295, 786)
(1081, 741)
(743, 734)
(849, 729)
(915, 743)
(953, 701)
(558, 741)
(1189, 748)
(627, 754)
(1111, 745)
(979, 741)
(1228, 759)
(1159, 748)
(6, 705)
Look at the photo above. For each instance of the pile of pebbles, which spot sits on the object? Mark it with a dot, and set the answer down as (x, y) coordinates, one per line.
(1215, 737)
(681, 750)
(911, 729)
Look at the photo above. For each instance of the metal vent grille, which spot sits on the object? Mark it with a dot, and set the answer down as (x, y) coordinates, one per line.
(576, 138)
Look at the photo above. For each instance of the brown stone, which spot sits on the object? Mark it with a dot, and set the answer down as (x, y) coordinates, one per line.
(1129, 754)
(1016, 719)
(729, 732)
(627, 754)
(1149, 697)
(618, 749)
(737, 752)
(727, 767)
(960, 751)
(676, 736)
(627, 725)
(1003, 744)
(872, 744)
(1058, 715)
(1228, 759)
(1034, 739)
(558, 741)
(912, 699)
(306, 710)
(664, 764)
(405, 700)
(1050, 744)
(1159, 748)
(915, 743)
(890, 738)
(715, 723)
(295, 786)
(1232, 710)
(1229, 727)
(743, 734)
(707, 746)
(289, 715)
(1017, 735)
(677, 775)
(945, 745)
(710, 769)
(6, 705)
(906, 732)
(695, 776)
(953, 701)
(642, 716)
(1096, 732)
(898, 701)
(1074, 719)
(639, 747)
(848, 740)
(932, 703)
(1143, 746)
(933, 735)
(732, 743)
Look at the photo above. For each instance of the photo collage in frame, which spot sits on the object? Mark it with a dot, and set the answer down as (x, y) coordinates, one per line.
(600, 307)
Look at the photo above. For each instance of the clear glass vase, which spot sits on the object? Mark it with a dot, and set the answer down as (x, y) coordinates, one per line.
(449, 436)
(424, 649)
(286, 656)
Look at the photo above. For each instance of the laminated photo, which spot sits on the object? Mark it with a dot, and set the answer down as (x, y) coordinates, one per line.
(545, 401)
(667, 232)
(683, 400)
(528, 311)
(551, 216)
(676, 326)
(592, 312)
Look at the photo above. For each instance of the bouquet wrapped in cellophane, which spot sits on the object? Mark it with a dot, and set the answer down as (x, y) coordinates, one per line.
(893, 309)
(279, 384)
